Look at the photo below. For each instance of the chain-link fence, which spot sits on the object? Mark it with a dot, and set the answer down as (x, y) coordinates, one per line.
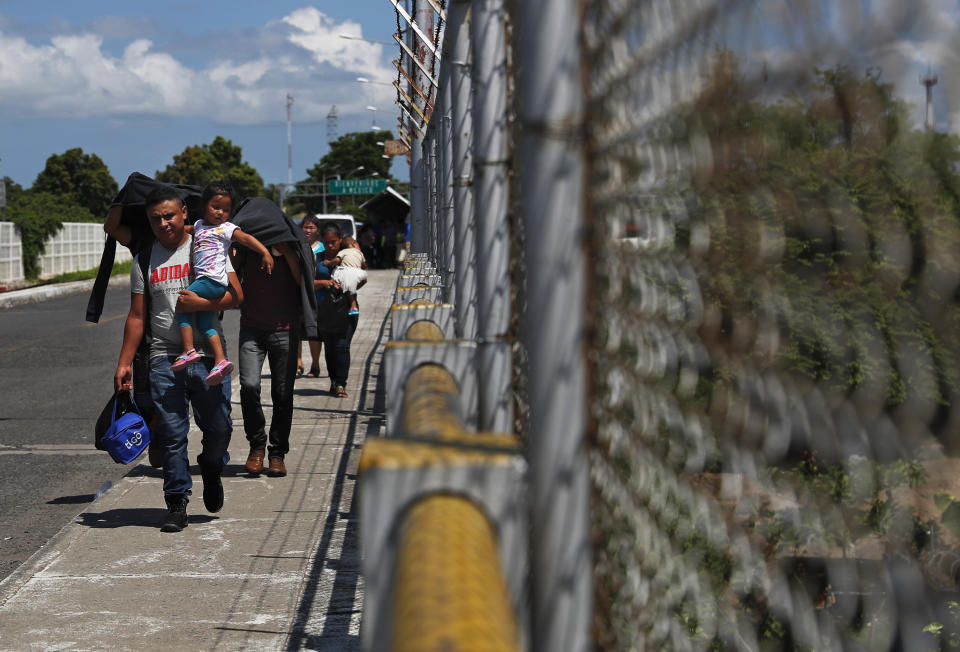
(774, 246)
(768, 245)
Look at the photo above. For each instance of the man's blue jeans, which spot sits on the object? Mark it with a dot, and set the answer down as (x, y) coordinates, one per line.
(172, 392)
(280, 348)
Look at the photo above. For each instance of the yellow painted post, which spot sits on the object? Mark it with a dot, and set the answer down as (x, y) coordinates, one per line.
(449, 593)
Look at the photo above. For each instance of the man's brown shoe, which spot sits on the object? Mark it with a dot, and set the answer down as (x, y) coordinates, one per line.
(255, 461)
(277, 468)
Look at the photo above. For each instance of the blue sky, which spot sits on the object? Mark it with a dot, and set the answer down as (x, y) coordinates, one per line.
(136, 83)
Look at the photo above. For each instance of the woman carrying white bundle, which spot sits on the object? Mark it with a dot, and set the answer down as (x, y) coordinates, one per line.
(351, 270)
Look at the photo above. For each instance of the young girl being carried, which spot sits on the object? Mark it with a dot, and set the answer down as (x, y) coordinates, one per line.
(212, 236)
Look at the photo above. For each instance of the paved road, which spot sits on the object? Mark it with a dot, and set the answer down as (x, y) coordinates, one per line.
(281, 559)
(56, 373)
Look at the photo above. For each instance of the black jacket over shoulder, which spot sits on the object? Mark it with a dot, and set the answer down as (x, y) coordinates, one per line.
(257, 216)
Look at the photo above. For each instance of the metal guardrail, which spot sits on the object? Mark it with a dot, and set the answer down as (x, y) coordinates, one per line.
(442, 507)
(449, 592)
(730, 253)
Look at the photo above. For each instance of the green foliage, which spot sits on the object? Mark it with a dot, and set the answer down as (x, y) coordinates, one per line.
(347, 153)
(845, 212)
(903, 472)
(272, 192)
(119, 269)
(952, 641)
(842, 503)
(200, 164)
(351, 151)
(880, 514)
(39, 215)
(13, 188)
(84, 178)
(949, 511)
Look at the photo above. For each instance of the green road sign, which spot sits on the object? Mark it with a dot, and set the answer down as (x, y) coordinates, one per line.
(356, 186)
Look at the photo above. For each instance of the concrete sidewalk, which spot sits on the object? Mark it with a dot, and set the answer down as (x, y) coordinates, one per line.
(276, 569)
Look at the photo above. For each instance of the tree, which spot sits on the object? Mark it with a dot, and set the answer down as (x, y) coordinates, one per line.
(200, 164)
(39, 215)
(272, 192)
(857, 214)
(346, 154)
(12, 188)
(82, 177)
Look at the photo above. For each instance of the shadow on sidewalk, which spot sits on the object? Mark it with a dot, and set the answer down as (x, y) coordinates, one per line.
(229, 471)
(72, 500)
(342, 604)
(133, 517)
(150, 517)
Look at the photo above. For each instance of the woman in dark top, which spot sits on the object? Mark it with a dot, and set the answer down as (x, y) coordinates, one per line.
(336, 346)
(311, 229)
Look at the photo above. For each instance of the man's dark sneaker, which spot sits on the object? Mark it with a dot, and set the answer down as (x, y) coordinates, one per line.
(212, 489)
(176, 518)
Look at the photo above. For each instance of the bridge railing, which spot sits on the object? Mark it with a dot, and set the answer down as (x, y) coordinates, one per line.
(442, 506)
(705, 254)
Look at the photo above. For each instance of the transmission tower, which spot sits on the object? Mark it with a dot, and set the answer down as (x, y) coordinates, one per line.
(289, 141)
(332, 134)
(929, 81)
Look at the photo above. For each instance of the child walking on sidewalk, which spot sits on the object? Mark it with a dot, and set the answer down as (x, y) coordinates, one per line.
(212, 236)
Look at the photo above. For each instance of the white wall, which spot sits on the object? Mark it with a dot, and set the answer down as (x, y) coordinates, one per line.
(11, 253)
(77, 246)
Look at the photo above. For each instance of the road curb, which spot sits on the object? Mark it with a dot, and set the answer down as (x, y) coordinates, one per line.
(16, 298)
(48, 552)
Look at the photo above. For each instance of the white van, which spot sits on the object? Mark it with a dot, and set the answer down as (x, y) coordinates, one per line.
(347, 224)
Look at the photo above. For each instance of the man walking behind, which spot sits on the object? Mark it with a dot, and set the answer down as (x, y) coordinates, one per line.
(156, 297)
(269, 328)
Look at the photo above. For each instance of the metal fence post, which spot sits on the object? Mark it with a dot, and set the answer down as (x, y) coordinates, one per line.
(427, 181)
(458, 36)
(551, 170)
(488, 34)
(434, 176)
(447, 266)
(418, 193)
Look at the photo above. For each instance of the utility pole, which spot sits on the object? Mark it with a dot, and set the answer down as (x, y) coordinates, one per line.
(289, 141)
(929, 81)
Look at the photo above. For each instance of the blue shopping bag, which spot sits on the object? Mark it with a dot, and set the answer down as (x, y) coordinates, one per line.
(127, 435)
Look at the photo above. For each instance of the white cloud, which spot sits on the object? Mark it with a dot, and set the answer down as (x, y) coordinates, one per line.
(74, 76)
(320, 36)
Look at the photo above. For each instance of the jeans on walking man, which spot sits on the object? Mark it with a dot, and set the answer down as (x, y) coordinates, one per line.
(270, 319)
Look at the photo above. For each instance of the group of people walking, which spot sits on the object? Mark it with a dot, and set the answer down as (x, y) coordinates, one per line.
(180, 282)
(330, 248)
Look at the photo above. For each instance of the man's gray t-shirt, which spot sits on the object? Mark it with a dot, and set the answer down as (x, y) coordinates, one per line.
(169, 272)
